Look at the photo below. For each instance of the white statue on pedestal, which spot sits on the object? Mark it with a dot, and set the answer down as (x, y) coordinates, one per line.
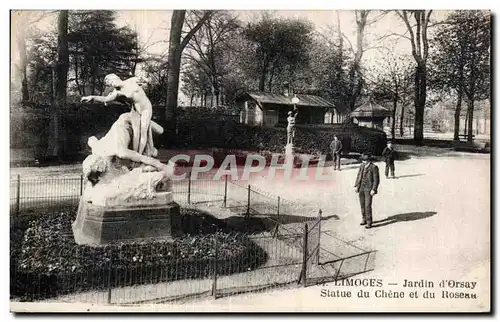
(290, 129)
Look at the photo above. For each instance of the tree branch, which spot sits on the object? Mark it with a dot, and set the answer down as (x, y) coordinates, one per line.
(418, 18)
(198, 25)
(350, 44)
(404, 17)
(380, 16)
(424, 35)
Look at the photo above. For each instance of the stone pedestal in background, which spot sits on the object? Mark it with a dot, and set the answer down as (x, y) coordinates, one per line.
(289, 156)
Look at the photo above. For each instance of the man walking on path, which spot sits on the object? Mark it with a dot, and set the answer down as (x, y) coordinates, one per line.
(389, 155)
(336, 148)
(366, 186)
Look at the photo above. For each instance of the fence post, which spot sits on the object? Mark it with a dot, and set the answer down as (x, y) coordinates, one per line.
(214, 267)
(275, 233)
(109, 282)
(18, 196)
(248, 202)
(189, 188)
(225, 192)
(320, 213)
(303, 272)
(81, 184)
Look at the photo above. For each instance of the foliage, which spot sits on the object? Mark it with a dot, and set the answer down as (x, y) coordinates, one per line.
(42, 52)
(156, 72)
(207, 54)
(96, 47)
(329, 64)
(278, 46)
(460, 54)
(99, 47)
(196, 82)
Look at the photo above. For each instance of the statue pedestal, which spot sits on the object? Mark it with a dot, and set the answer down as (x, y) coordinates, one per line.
(289, 157)
(98, 225)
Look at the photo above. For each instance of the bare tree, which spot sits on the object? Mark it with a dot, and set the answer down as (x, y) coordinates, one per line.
(393, 84)
(356, 81)
(207, 46)
(176, 46)
(420, 51)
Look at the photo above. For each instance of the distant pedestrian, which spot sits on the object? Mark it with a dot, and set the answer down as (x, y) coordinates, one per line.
(336, 149)
(389, 155)
(366, 186)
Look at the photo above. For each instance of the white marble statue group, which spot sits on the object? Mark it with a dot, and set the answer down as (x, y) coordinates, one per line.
(123, 167)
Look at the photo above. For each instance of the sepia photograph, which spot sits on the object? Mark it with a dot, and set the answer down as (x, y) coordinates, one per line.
(250, 161)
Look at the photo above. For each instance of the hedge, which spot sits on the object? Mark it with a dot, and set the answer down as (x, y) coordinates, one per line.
(195, 129)
(46, 262)
(205, 131)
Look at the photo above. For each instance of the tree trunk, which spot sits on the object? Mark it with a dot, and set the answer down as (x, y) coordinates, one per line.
(458, 109)
(262, 81)
(57, 134)
(174, 66)
(401, 121)
(394, 107)
(175, 49)
(466, 122)
(470, 113)
(21, 45)
(419, 100)
(270, 82)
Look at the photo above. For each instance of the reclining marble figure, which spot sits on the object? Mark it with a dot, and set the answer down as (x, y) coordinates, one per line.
(110, 181)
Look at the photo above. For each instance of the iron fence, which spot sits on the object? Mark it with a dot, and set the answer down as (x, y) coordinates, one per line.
(125, 277)
(270, 242)
(29, 195)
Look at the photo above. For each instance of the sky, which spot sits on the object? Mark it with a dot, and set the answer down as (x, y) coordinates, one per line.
(153, 26)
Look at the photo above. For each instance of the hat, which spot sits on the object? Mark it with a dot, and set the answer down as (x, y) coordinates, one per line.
(365, 157)
(290, 113)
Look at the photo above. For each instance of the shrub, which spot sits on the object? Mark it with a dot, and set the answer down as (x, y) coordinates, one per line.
(48, 262)
(30, 125)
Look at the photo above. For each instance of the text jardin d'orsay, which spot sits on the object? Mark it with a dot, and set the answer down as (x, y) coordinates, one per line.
(376, 288)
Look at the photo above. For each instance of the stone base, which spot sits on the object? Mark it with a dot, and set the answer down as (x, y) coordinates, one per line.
(98, 225)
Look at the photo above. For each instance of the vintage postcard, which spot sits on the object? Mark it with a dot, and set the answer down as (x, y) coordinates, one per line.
(237, 161)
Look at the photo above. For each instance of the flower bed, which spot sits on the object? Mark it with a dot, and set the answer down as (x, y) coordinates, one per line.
(47, 261)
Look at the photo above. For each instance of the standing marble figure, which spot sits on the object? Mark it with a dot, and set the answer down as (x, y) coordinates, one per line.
(290, 129)
(366, 186)
(142, 133)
